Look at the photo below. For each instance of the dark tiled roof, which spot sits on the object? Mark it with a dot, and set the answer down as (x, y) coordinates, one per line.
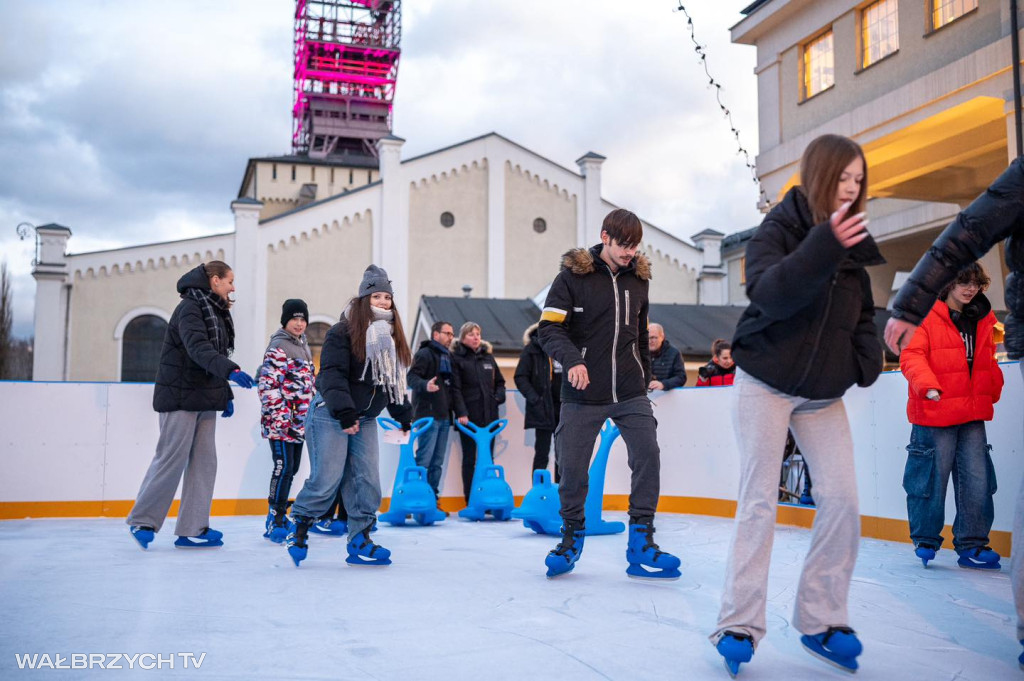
(736, 238)
(346, 160)
(693, 328)
(753, 7)
(502, 320)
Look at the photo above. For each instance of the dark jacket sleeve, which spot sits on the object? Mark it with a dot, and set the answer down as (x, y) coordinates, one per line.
(420, 372)
(677, 374)
(554, 324)
(643, 343)
(458, 403)
(334, 376)
(866, 344)
(990, 218)
(499, 383)
(401, 412)
(196, 339)
(524, 372)
(782, 283)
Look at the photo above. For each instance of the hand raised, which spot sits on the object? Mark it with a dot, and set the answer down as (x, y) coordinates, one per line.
(849, 231)
(432, 386)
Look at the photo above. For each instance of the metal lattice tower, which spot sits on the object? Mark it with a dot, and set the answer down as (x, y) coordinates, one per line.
(346, 66)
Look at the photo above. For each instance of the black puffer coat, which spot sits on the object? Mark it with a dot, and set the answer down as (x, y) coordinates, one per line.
(808, 330)
(340, 383)
(479, 385)
(426, 364)
(193, 373)
(995, 215)
(534, 375)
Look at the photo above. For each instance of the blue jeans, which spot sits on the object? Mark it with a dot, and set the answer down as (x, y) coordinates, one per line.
(933, 453)
(335, 456)
(431, 448)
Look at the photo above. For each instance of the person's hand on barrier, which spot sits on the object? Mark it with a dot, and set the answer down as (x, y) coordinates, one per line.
(898, 333)
(463, 420)
(242, 379)
(432, 386)
(932, 395)
(230, 410)
(578, 377)
(656, 385)
(850, 231)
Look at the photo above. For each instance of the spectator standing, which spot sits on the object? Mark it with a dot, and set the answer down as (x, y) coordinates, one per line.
(721, 370)
(539, 379)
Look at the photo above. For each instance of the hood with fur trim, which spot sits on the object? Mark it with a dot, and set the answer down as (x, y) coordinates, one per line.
(530, 332)
(457, 346)
(580, 261)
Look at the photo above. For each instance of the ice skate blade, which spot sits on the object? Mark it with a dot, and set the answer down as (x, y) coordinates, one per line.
(731, 666)
(187, 544)
(554, 575)
(846, 664)
(296, 554)
(358, 562)
(637, 571)
(968, 564)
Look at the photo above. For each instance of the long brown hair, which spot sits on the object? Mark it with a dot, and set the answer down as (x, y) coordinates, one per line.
(823, 163)
(359, 315)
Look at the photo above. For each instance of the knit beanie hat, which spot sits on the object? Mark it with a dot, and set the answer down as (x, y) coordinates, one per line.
(375, 280)
(294, 307)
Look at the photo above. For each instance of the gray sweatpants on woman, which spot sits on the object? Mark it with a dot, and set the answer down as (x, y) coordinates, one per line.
(186, 445)
(761, 417)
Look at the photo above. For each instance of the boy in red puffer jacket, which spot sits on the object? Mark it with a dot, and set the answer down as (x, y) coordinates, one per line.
(954, 381)
(721, 370)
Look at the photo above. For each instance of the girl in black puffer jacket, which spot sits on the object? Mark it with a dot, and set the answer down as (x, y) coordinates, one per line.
(806, 337)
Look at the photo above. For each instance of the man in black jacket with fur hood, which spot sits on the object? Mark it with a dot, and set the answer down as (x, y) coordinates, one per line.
(595, 324)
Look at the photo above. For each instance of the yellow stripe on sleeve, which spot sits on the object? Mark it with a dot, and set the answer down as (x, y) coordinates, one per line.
(553, 314)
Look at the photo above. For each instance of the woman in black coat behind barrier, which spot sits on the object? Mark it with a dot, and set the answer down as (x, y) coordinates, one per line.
(480, 390)
(539, 379)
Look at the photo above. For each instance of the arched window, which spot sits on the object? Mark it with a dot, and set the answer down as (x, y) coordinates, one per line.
(315, 335)
(140, 348)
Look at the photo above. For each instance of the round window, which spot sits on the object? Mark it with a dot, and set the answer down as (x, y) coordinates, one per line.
(447, 219)
(540, 225)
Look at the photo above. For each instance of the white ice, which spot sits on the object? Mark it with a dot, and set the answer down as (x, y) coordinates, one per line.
(468, 601)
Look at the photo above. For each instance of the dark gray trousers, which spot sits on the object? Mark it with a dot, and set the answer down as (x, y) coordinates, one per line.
(577, 430)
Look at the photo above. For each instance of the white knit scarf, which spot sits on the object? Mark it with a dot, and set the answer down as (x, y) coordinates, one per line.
(381, 356)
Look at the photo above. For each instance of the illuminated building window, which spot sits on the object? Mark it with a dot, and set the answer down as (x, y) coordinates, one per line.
(946, 11)
(880, 27)
(818, 63)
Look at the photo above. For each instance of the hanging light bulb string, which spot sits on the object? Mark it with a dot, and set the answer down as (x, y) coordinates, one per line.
(699, 49)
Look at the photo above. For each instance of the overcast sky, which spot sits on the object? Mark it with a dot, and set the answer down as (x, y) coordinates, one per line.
(131, 122)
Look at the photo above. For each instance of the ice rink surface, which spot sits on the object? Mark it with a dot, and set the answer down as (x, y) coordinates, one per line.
(468, 601)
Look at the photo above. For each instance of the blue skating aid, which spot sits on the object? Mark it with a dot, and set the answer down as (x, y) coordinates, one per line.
(562, 559)
(736, 648)
(595, 495)
(208, 539)
(540, 507)
(297, 541)
(490, 493)
(362, 551)
(839, 646)
(142, 534)
(925, 553)
(411, 493)
(642, 553)
(981, 558)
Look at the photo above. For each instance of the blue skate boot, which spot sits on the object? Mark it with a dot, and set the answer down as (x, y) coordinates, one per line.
(562, 558)
(298, 532)
(642, 551)
(736, 648)
(362, 551)
(1020, 660)
(839, 646)
(925, 553)
(143, 534)
(276, 526)
(207, 539)
(979, 558)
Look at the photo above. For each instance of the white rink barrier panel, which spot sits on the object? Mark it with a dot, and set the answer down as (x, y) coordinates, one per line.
(81, 449)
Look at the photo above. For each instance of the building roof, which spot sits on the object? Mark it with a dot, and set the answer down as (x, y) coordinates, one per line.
(737, 238)
(502, 320)
(692, 329)
(335, 161)
(753, 7)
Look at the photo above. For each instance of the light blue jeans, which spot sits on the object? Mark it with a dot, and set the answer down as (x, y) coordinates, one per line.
(431, 449)
(335, 456)
(934, 453)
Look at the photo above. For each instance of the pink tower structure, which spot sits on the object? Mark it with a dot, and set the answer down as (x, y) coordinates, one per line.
(346, 66)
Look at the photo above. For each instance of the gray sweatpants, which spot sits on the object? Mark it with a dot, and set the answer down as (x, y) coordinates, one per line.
(761, 416)
(1017, 554)
(578, 428)
(186, 445)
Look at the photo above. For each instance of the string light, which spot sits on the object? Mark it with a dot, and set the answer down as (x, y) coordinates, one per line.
(699, 49)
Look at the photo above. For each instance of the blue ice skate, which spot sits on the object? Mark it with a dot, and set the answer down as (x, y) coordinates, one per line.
(642, 551)
(276, 527)
(594, 504)
(330, 527)
(207, 539)
(362, 551)
(562, 558)
(411, 493)
(736, 648)
(980, 558)
(489, 493)
(297, 540)
(143, 534)
(839, 646)
(539, 510)
(925, 553)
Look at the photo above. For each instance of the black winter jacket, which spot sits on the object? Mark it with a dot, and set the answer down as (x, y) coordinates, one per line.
(426, 364)
(534, 376)
(995, 215)
(479, 385)
(808, 330)
(348, 396)
(193, 374)
(667, 366)
(595, 318)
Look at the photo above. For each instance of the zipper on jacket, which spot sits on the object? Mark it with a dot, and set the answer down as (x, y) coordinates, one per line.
(615, 337)
(821, 330)
(583, 352)
(625, 318)
(636, 356)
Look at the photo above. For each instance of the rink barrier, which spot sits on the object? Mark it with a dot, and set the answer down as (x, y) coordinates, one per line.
(92, 462)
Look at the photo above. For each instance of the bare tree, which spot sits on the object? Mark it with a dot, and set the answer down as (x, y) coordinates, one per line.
(6, 320)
